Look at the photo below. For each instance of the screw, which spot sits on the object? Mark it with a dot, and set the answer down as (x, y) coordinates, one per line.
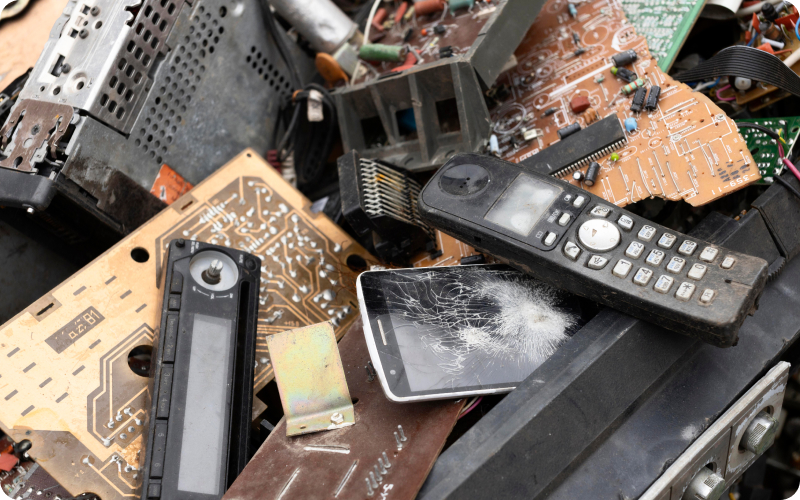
(382, 467)
(337, 418)
(372, 480)
(180, 243)
(83, 33)
(95, 10)
(65, 68)
(760, 434)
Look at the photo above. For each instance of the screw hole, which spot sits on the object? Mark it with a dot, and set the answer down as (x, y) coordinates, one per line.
(139, 360)
(139, 254)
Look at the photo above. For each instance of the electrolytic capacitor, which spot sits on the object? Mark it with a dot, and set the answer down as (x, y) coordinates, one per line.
(428, 7)
(569, 130)
(591, 173)
(624, 58)
(494, 145)
(577, 175)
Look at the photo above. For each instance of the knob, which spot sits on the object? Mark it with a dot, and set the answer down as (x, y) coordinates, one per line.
(760, 434)
(705, 485)
(212, 275)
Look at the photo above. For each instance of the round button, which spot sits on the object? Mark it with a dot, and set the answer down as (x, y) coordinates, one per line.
(464, 179)
(599, 235)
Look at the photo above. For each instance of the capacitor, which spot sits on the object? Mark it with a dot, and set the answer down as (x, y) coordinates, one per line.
(494, 145)
(630, 124)
(627, 89)
(591, 173)
(439, 29)
(624, 74)
(378, 18)
(569, 130)
(446, 51)
(549, 111)
(426, 7)
(742, 83)
(624, 58)
(614, 156)
(652, 98)
(382, 52)
(398, 15)
(573, 11)
(590, 115)
(460, 4)
(638, 99)
(578, 175)
(769, 12)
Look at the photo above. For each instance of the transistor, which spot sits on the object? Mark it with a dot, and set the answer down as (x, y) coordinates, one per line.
(624, 58)
(652, 99)
(591, 173)
(569, 130)
(624, 74)
(446, 51)
(439, 29)
(638, 99)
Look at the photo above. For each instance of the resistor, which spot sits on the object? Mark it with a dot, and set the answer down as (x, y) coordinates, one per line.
(627, 89)
(460, 4)
(624, 58)
(591, 173)
(377, 20)
(576, 39)
(426, 7)
(398, 16)
(567, 131)
(382, 52)
(573, 11)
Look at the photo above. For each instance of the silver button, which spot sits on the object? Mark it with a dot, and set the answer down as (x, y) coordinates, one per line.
(663, 284)
(567, 197)
(697, 272)
(600, 211)
(625, 223)
(646, 233)
(667, 240)
(676, 265)
(599, 235)
(571, 250)
(728, 262)
(634, 250)
(622, 268)
(707, 296)
(597, 262)
(564, 219)
(655, 257)
(685, 291)
(579, 201)
(643, 276)
(709, 254)
(550, 238)
(687, 247)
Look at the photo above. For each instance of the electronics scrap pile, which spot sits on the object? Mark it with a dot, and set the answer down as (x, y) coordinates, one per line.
(357, 249)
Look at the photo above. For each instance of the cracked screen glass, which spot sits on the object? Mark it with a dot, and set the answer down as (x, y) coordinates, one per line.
(475, 325)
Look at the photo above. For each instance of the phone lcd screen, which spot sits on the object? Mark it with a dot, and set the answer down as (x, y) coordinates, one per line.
(464, 328)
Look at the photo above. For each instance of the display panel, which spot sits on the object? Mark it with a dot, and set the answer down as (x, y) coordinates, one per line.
(523, 204)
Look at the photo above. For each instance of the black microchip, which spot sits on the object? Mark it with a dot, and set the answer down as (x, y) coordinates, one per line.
(638, 99)
(652, 99)
(578, 149)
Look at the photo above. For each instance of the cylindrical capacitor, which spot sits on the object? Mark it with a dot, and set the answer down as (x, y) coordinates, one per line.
(320, 22)
(624, 58)
(591, 173)
(578, 175)
(461, 4)
(398, 15)
(627, 89)
(381, 52)
(573, 11)
(494, 145)
(569, 130)
(379, 18)
(426, 7)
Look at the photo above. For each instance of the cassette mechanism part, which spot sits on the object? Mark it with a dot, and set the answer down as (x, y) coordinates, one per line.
(84, 408)
(386, 454)
(201, 372)
(112, 98)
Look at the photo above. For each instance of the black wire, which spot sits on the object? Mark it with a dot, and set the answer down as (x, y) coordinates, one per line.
(787, 185)
(272, 26)
(762, 128)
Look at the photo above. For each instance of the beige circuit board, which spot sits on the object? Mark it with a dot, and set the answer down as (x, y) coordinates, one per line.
(686, 149)
(65, 380)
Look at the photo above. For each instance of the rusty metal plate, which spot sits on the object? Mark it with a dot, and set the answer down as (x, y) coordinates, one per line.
(310, 378)
(31, 126)
(338, 464)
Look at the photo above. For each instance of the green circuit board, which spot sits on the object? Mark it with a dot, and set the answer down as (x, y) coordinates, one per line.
(665, 24)
(764, 149)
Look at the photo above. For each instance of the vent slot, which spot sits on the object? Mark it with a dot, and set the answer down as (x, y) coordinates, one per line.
(266, 70)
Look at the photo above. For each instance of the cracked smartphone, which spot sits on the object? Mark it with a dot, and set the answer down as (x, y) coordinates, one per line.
(449, 332)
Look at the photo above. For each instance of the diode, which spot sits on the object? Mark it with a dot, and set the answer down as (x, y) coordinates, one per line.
(591, 173)
(567, 131)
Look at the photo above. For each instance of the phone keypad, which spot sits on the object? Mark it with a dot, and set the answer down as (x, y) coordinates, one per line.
(663, 284)
(571, 250)
(597, 262)
(667, 240)
(655, 257)
(622, 268)
(642, 277)
(687, 248)
(646, 233)
(634, 250)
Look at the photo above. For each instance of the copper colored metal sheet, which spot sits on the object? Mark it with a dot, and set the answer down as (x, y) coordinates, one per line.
(33, 124)
(322, 464)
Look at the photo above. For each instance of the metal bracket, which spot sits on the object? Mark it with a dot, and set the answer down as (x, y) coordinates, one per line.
(310, 378)
(32, 126)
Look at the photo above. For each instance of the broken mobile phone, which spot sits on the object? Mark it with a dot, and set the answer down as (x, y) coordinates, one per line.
(448, 332)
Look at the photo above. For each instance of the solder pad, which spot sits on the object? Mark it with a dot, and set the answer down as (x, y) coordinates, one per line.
(686, 149)
(64, 378)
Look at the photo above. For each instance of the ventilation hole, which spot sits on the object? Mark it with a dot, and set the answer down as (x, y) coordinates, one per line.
(131, 46)
(201, 9)
(139, 28)
(98, 25)
(221, 30)
(138, 53)
(156, 18)
(137, 142)
(139, 360)
(138, 77)
(152, 154)
(121, 88)
(79, 85)
(148, 11)
(122, 64)
(149, 138)
(147, 35)
(159, 160)
(112, 106)
(154, 43)
(120, 112)
(104, 100)
(113, 82)
(129, 71)
(162, 26)
(17, 162)
(56, 90)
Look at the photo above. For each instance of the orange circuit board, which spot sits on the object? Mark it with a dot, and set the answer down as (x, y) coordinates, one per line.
(686, 148)
(69, 377)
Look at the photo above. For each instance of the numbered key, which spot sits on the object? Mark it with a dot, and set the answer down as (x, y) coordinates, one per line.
(646, 233)
(655, 257)
(667, 240)
(709, 254)
(687, 247)
(663, 284)
(676, 264)
(622, 268)
(643, 276)
(634, 250)
(697, 272)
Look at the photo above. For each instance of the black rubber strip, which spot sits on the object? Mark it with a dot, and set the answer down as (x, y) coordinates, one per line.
(745, 62)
